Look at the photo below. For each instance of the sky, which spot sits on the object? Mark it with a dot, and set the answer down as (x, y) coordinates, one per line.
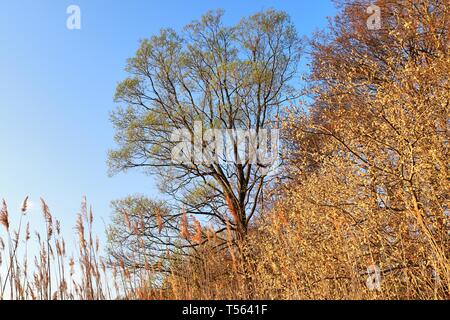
(57, 87)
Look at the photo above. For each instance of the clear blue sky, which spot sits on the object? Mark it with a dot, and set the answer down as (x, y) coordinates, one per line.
(56, 89)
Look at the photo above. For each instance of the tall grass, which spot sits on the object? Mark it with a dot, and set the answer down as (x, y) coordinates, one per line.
(287, 255)
(48, 272)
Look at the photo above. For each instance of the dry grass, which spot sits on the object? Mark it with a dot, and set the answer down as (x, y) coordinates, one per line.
(49, 273)
(287, 255)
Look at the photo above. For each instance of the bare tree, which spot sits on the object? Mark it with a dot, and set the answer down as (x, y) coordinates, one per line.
(210, 76)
